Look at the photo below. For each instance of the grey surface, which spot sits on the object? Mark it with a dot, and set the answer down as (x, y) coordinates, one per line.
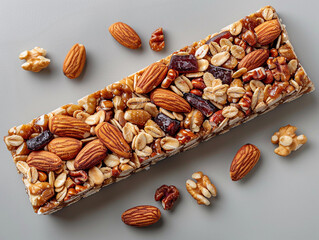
(278, 200)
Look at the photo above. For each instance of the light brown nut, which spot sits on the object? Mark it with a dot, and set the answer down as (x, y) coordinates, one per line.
(66, 148)
(157, 42)
(153, 75)
(244, 160)
(125, 35)
(61, 194)
(169, 143)
(74, 61)
(65, 126)
(202, 65)
(292, 66)
(220, 58)
(201, 190)
(254, 59)
(138, 117)
(194, 120)
(35, 59)
(22, 167)
(60, 180)
(92, 154)
(287, 140)
(129, 131)
(137, 103)
(239, 72)
(201, 51)
(151, 109)
(113, 139)
(44, 161)
(13, 140)
(287, 52)
(32, 175)
(40, 193)
(96, 175)
(169, 101)
(235, 28)
(141, 216)
(267, 32)
(96, 118)
(181, 84)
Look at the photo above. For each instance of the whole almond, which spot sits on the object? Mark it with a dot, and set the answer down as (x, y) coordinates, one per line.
(92, 154)
(267, 32)
(44, 161)
(125, 35)
(170, 101)
(113, 139)
(66, 148)
(74, 61)
(141, 216)
(153, 75)
(254, 59)
(65, 126)
(244, 160)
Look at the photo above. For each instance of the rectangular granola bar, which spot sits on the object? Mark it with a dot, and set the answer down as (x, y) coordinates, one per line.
(198, 92)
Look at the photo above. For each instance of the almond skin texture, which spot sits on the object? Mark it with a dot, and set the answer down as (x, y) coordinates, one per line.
(44, 161)
(74, 61)
(125, 35)
(92, 154)
(151, 78)
(141, 216)
(66, 148)
(113, 139)
(244, 160)
(170, 101)
(267, 32)
(65, 126)
(254, 59)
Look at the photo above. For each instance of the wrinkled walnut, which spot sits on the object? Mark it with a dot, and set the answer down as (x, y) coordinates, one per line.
(256, 74)
(201, 190)
(279, 68)
(79, 177)
(40, 193)
(157, 42)
(35, 59)
(288, 141)
(168, 195)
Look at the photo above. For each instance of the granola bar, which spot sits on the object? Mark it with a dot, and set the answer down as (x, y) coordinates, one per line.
(172, 105)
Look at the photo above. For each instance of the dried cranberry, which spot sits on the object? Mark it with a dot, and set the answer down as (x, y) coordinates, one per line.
(168, 125)
(223, 74)
(39, 141)
(219, 36)
(204, 106)
(184, 63)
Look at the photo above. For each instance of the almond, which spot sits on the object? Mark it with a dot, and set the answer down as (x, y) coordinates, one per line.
(74, 61)
(66, 148)
(153, 75)
(268, 31)
(244, 160)
(65, 126)
(44, 161)
(254, 59)
(170, 101)
(141, 216)
(125, 35)
(92, 154)
(113, 139)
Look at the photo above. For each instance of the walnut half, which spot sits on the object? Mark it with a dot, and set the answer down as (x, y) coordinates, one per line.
(35, 59)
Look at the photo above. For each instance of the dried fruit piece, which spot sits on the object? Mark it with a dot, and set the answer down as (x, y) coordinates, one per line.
(157, 42)
(74, 61)
(204, 106)
(44, 161)
(244, 160)
(167, 195)
(224, 74)
(219, 36)
(184, 63)
(169, 101)
(125, 35)
(168, 125)
(39, 141)
(141, 216)
(153, 75)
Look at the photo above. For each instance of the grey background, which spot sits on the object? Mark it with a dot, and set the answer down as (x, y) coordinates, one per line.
(279, 198)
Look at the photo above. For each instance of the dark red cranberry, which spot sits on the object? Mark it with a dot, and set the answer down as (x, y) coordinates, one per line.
(219, 36)
(204, 106)
(168, 125)
(184, 63)
(223, 74)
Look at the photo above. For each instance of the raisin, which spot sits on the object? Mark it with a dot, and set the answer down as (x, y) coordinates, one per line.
(219, 36)
(184, 63)
(168, 125)
(39, 141)
(204, 106)
(223, 74)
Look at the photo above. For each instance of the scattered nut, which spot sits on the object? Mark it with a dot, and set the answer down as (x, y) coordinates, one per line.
(167, 195)
(201, 190)
(35, 59)
(288, 141)
(157, 42)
